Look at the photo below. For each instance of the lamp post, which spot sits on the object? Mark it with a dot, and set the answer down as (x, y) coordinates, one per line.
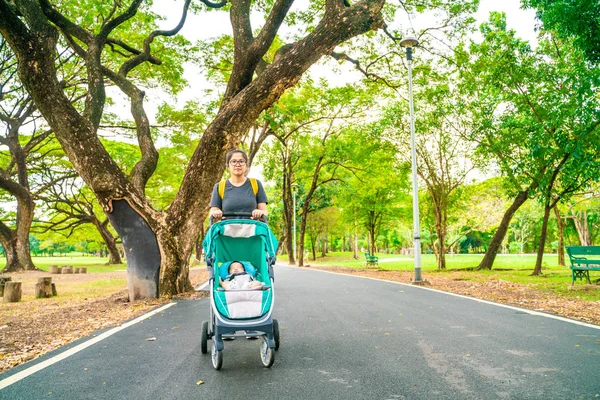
(408, 43)
(294, 189)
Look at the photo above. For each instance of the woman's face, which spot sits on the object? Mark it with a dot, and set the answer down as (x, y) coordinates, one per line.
(237, 164)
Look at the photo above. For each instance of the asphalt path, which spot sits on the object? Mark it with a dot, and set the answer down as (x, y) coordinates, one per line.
(342, 337)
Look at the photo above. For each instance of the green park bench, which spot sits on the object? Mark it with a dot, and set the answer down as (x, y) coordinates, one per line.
(372, 261)
(583, 260)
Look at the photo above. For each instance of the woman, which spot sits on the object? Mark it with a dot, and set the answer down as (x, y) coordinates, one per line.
(238, 194)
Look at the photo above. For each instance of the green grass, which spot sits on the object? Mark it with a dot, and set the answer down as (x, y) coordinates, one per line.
(454, 261)
(93, 264)
(554, 280)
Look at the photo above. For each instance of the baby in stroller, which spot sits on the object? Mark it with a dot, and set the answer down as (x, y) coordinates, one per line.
(239, 279)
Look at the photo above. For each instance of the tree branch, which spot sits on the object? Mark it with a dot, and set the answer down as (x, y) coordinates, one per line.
(210, 4)
(369, 75)
(113, 23)
(145, 55)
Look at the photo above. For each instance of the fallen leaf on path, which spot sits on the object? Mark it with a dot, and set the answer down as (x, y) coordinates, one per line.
(199, 382)
(151, 339)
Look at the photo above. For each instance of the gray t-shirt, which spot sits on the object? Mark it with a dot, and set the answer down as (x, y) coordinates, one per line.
(238, 198)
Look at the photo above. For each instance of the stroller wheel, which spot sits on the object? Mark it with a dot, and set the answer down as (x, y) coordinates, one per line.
(217, 357)
(276, 333)
(267, 355)
(204, 338)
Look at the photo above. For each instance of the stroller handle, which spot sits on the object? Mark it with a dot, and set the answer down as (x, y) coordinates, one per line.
(240, 215)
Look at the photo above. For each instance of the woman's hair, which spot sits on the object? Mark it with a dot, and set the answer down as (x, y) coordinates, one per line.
(230, 153)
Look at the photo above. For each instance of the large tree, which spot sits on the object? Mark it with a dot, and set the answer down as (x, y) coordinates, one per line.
(68, 206)
(573, 20)
(308, 111)
(442, 149)
(538, 117)
(17, 114)
(161, 242)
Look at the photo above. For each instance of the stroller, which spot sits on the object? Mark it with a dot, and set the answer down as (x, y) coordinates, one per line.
(252, 243)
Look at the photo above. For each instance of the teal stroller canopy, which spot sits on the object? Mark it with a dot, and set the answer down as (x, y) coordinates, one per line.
(249, 242)
(246, 240)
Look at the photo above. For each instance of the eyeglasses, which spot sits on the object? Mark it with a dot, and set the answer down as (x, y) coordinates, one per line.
(237, 162)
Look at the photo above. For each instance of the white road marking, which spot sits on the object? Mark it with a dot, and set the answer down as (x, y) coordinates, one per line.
(40, 366)
(530, 312)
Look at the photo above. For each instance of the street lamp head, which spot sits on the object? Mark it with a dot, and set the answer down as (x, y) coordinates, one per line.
(409, 41)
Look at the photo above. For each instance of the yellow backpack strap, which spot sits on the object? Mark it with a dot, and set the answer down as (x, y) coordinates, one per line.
(222, 189)
(254, 184)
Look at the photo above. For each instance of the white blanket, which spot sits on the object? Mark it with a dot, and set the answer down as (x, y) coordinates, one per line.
(244, 303)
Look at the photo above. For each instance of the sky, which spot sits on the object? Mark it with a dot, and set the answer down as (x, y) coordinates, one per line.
(215, 23)
(522, 21)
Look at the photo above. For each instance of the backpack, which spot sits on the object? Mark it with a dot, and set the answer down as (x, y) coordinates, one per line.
(253, 183)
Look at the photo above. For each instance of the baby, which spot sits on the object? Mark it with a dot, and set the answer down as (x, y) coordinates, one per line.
(238, 278)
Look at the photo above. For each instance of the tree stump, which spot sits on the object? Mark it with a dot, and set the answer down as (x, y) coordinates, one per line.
(12, 292)
(54, 290)
(67, 269)
(55, 269)
(3, 280)
(43, 289)
(76, 270)
(83, 270)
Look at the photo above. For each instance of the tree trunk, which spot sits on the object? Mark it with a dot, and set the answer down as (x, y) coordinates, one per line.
(199, 250)
(496, 243)
(199, 244)
(373, 232)
(288, 215)
(300, 245)
(440, 231)
(10, 250)
(109, 240)
(24, 220)
(581, 225)
(281, 245)
(16, 242)
(355, 245)
(441, 256)
(561, 237)
(540, 254)
(288, 193)
(150, 255)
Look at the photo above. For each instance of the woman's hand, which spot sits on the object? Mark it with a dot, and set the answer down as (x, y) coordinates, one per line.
(216, 214)
(258, 214)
